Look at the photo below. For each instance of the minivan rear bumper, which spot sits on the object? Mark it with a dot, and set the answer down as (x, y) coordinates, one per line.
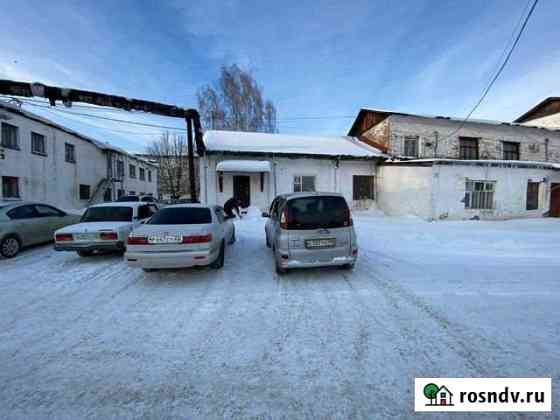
(285, 261)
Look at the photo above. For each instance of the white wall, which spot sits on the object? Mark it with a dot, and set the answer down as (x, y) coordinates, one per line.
(438, 192)
(328, 178)
(510, 197)
(405, 190)
(50, 178)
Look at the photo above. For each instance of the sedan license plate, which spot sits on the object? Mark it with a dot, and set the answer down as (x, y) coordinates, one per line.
(165, 239)
(85, 236)
(320, 243)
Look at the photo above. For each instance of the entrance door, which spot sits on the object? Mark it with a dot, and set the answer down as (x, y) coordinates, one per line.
(555, 200)
(242, 189)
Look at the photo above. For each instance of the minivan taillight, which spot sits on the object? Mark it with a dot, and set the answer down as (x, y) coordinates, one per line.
(137, 240)
(348, 218)
(197, 239)
(108, 236)
(284, 218)
(61, 237)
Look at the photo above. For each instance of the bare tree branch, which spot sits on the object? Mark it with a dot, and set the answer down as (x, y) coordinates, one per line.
(236, 103)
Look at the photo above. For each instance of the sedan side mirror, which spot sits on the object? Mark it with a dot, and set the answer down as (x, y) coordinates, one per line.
(265, 214)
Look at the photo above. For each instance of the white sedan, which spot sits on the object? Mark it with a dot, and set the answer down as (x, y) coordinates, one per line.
(103, 227)
(183, 235)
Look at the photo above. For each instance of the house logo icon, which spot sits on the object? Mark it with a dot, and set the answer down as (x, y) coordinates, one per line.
(438, 395)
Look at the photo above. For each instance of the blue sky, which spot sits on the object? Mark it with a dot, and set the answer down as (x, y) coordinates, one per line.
(313, 58)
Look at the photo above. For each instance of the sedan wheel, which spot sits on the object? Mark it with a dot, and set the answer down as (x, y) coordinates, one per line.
(9, 247)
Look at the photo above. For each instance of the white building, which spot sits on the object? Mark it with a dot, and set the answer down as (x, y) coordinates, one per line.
(42, 160)
(255, 167)
(443, 168)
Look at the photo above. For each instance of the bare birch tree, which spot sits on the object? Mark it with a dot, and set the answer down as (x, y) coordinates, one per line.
(236, 103)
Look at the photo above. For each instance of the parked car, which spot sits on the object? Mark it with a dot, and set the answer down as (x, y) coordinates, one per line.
(182, 235)
(28, 223)
(103, 227)
(310, 230)
(136, 198)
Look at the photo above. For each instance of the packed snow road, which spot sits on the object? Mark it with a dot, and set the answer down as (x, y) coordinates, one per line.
(91, 337)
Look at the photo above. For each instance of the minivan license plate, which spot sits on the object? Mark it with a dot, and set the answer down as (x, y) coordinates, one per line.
(320, 243)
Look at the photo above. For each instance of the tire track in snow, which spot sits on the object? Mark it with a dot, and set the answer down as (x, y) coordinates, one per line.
(474, 357)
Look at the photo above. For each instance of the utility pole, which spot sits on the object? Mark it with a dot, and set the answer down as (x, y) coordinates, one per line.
(67, 96)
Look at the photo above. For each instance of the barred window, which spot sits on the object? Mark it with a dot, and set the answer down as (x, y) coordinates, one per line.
(479, 195)
(411, 146)
(84, 192)
(533, 195)
(38, 146)
(10, 136)
(468, 148)
(304, 183)
(511, 150)
(363, 187)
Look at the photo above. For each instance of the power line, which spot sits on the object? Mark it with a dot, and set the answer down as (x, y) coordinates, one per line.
(498, 73)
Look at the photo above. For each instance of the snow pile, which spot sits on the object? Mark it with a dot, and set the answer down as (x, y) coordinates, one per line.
(235, 141)
(252, 212)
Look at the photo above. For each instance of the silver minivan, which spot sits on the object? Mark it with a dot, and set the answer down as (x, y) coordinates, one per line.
(310, 230)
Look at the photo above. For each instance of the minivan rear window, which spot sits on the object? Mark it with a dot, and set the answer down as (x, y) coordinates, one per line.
(182, 216)
(318, 212)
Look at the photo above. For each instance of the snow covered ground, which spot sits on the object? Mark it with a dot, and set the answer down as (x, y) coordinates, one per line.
(94, 338)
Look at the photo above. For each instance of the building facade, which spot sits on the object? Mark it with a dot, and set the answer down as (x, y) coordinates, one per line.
(255, 167)
(441, 168)
(44, 161)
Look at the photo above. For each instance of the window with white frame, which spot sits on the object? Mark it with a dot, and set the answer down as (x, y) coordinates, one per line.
(479, 195)
(10, 187)
(304, 183)
(142, 174)
(411, 146)
(131, 171)
(10, 136)
(363, 187)
(38, 146)
(69, 153)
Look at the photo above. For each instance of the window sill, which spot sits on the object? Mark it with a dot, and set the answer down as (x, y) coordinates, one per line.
(39, 154)
(71, 161)
(17, 149)
(11, 198)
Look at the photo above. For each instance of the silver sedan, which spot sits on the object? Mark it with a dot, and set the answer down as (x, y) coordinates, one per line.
(28, 223)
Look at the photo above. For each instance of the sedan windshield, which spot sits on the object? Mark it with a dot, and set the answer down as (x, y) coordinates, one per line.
(182, 216)
(108, 214)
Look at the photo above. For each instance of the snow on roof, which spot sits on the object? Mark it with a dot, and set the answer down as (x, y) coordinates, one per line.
(96, 123)
(243, 166)
(236, 141)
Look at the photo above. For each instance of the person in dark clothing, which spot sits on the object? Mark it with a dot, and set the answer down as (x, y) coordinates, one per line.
(231, 205)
